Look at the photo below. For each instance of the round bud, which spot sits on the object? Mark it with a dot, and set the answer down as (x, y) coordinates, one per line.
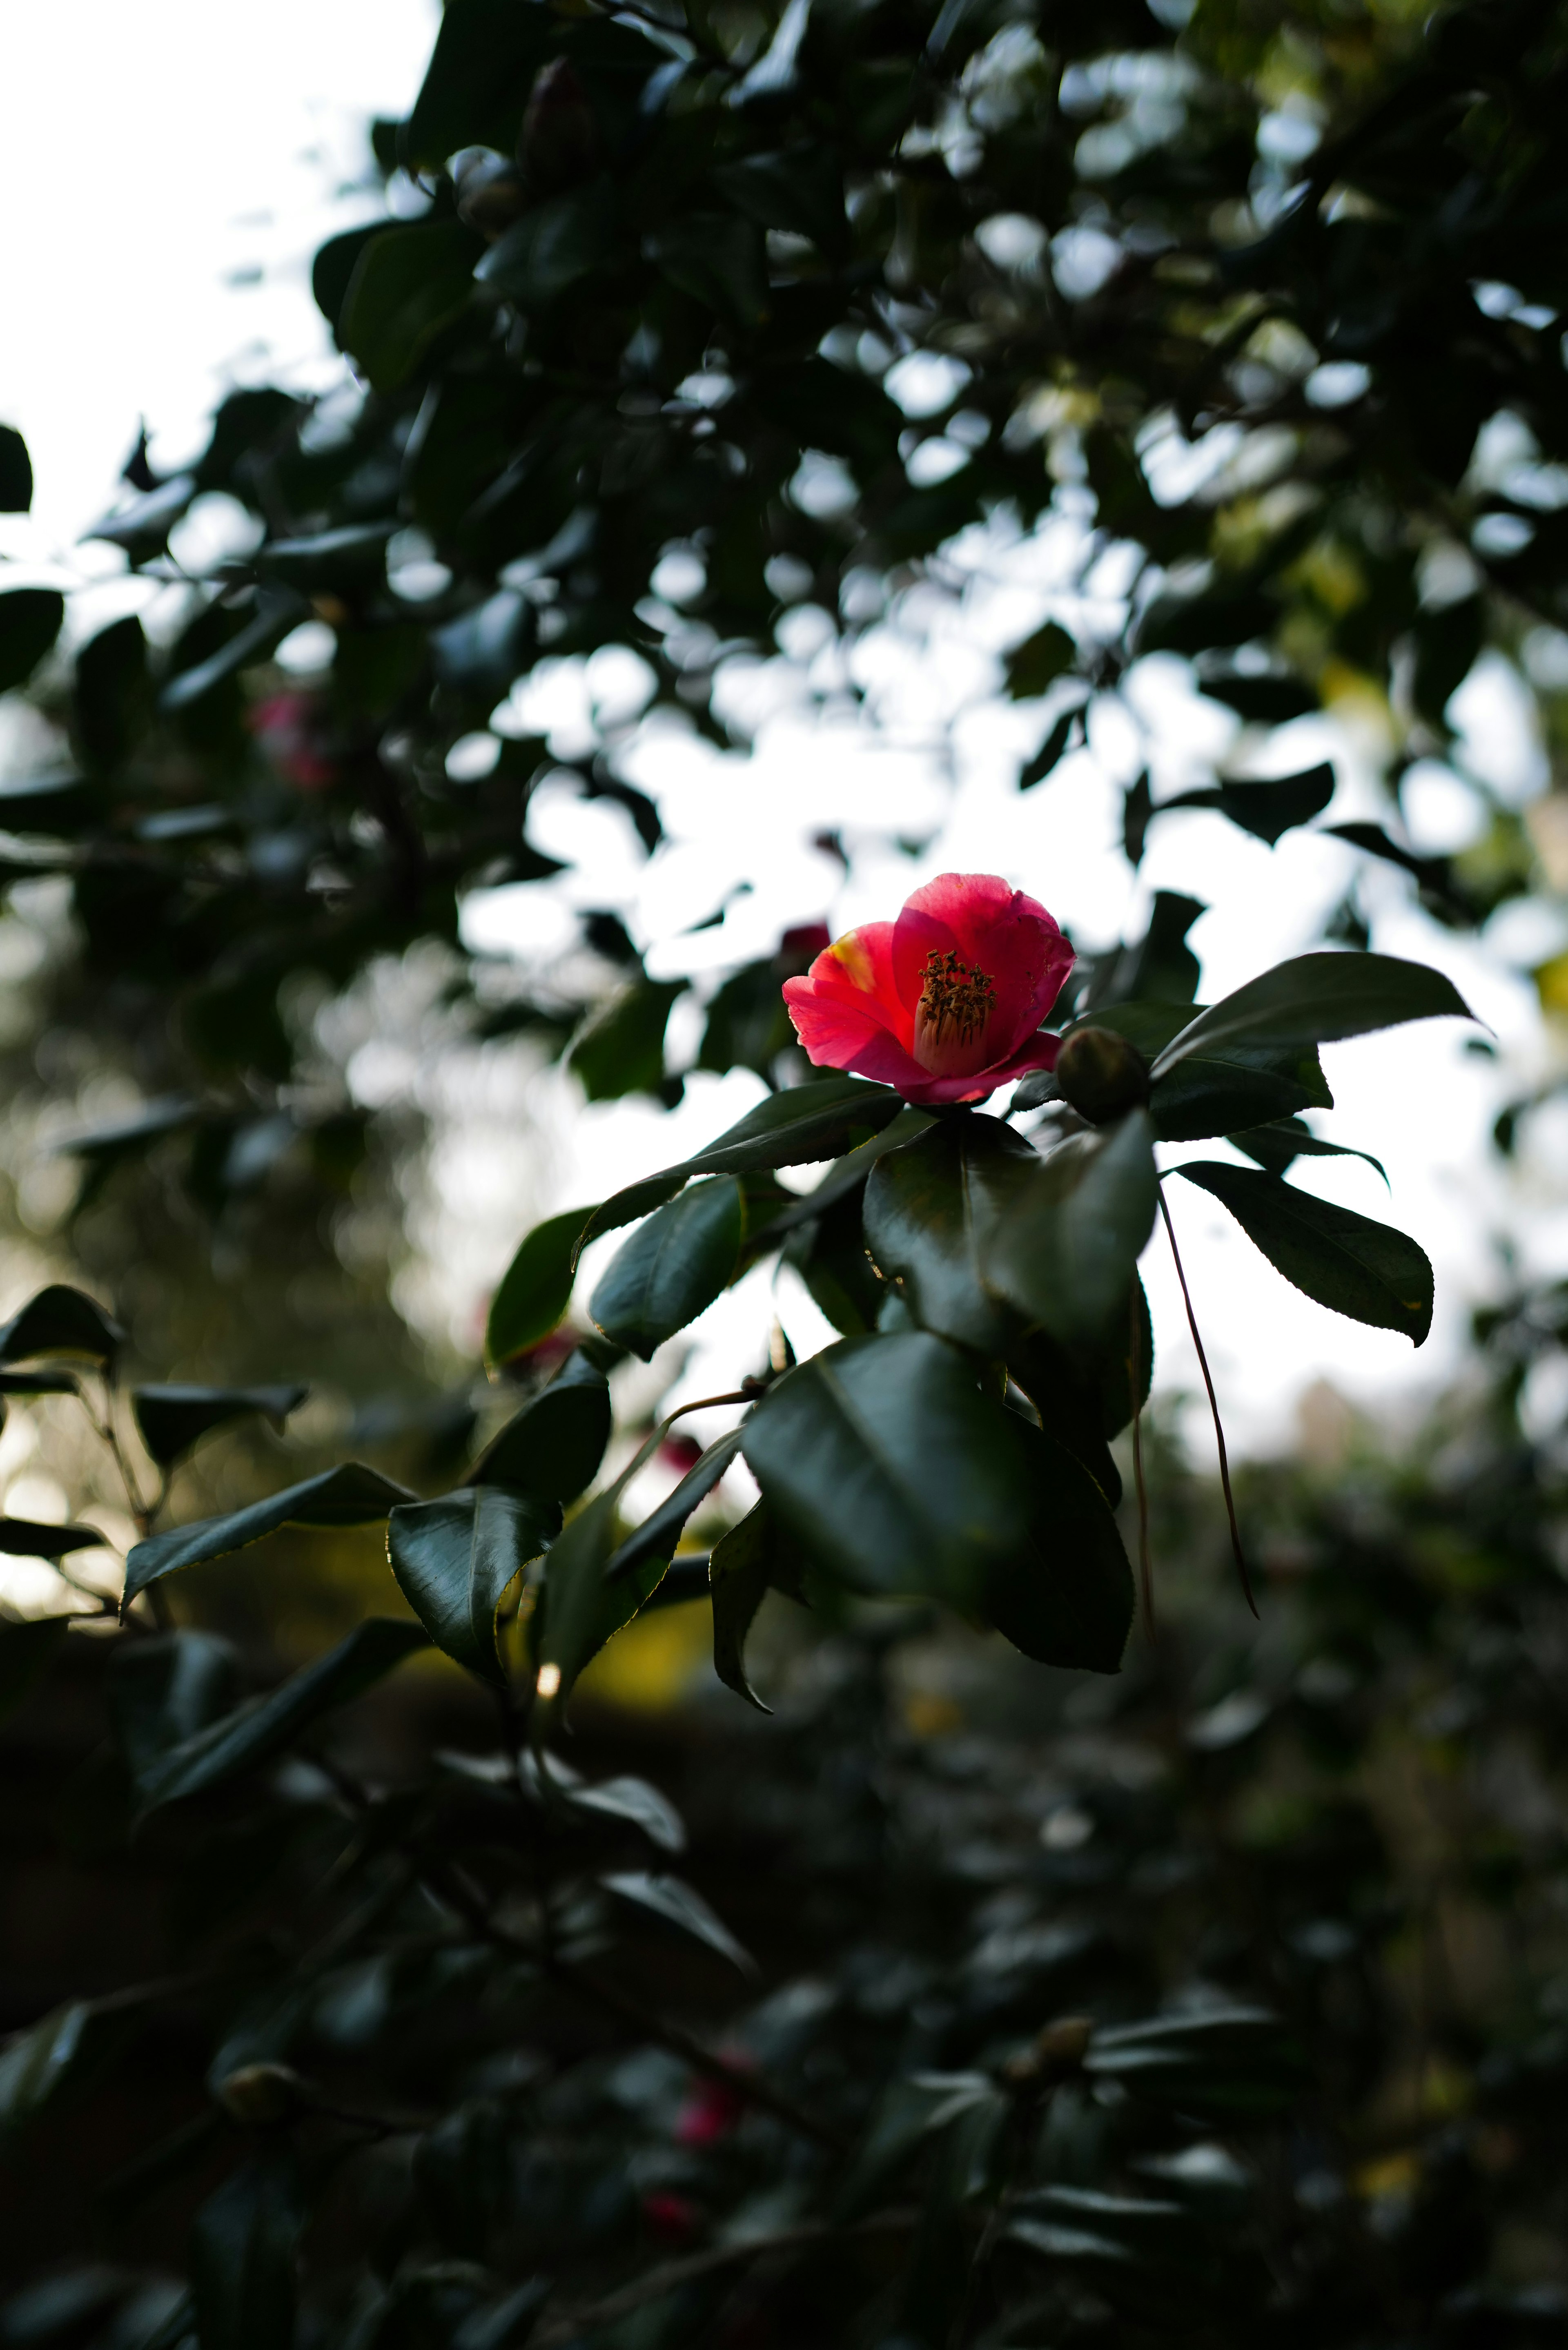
(260, 2095)
(1101, 1075)
(490, 192)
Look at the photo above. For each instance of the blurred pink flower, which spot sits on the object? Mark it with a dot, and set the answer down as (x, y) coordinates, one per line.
(289, 726)
(945, 1003)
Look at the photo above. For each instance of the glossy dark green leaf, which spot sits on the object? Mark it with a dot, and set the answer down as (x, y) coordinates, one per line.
(25, 1538)
(621, 1050)
(142, 529)
(1366, 1270)
(15, 472)
(1065, 1595)
(26, 1647)
(408, 284)
(29, 622)
(555, 245)
(1315, 999)
(828, 1252)
(265, 1726)
(1220, 2061)
(174, 1419)
(553, 1447)
(753, 1558)
(930, 1210)
(477, 80)
(1066, 734)
(164, 1689)
(61, 1321)
(581, 1611)
(349, 1495)
(536, 1288)
(278, 612)
(1278, 1144)
(456, 1559)
(49, 2057)
(681, 1905)
(661, 1529)
(1066, 1390)
(1236, 1085)
(1064, 1248)
(1267, 809)
(111, 700)
(1038, 662)
(672, 1267)
(1267, 699)
(244, 2245)
(844, 1178)
(886, 1461)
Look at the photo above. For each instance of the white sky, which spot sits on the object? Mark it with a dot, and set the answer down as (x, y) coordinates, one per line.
(147, 155)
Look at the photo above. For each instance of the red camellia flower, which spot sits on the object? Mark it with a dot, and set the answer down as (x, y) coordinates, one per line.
(945, 1003)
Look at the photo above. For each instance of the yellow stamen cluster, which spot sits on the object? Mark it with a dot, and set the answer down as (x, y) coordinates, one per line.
(956, 1001)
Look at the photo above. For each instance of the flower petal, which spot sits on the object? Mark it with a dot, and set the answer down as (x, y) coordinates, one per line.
(852, 979)
(1037, 1053)
(988, 924)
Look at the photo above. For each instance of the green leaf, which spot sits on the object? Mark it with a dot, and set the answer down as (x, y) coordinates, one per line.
(349, 1495)
(1270, 698)
(620, 1048)
(753, 1558)
(681, 1905)
(886, 1461)
(1067, 733)
(174, 1419)
(15, 472)
(719, 259)
(1278, 1144)
(1366, 1270)
(846, 1175)
(26, 1648)
(455, 1560)
(581, 1610)
(61, 1321)
(477, 79)
(408, 284)
(1068, 1391)
(278, 612)
(1316, 999)
(536, 1288)
(553, 1447)
(1041, 659)
(673, 1267)
(1066, 1596)
(244, 2244)
(22, 1538)
(1267, 809)
(1217, 2061)
(30, 621)
(661, 1529)
(263, 1727)
(36, 2064)
(799, 188)
(828, 1252)
(111, 697)
(1236, 1085)
(555, 245)
(1448, 640)
(1064, 1250)
(929, 1207)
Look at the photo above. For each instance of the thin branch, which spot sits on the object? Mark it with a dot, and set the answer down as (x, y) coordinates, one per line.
(1135, 1383)
(1214, 1408)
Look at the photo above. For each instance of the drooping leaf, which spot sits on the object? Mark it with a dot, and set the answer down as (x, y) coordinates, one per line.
(174, 1419)
(1268, 809)
(49, 2057)
(1066, 1596)
(1316, 999)
(23, 1538)
(1041, 659)
(30, 621)
(886, 1461)
(264, 1726)
(1268, 698)
(1066, 1388)
(15, 472)
(828, 1251)
(1368, 1271)
(1277, 1145)
(165, 1690)
(581, 1610)
(752, 1559)
(930, 1210)
(61, 1321)
(673, 1267)
(244, 2244)
(455, 1559)
(111, 694)
(620, 1049)
(1221, 2061)
(661, 1529)
(681, 1905)
(278, 610)
(536, 1288)
(349, 1495)
(554, 1445)
(555, 245)
(407, 285)
(1064, 1248)
(1236, 1085)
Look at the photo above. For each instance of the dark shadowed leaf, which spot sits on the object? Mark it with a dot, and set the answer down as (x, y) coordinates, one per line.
(661, 1529)
(621, 1050)
(1315, 999)
(1063, 1249)
(553, 1447)
(173, 1419)
(883, 1459)
(1219, 2061)
(50, 2057)
(929, 1206)
(753, 1558)
(455, 1559)
(256, 1731)
(26, 1648)
(349, 1495)
(29, 622)
(1065, 1595)
(581, 1610)
(1236, 1085)
(681, 1905)
(673, 1267)
(1266, 810)
(536, 1288)
(61, 1321)
(555, 245)
(1283, 1140)
(1034, 664)
(243, 2249)
(23, 1538)
(1366, 1271)
(719, 259)
(407, 285)
(15, 472)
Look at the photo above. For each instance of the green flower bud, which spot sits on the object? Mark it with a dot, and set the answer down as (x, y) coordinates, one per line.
(260, 2095)
(1101, 1075)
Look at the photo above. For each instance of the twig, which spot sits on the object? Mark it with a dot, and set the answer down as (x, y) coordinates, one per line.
(1214, 1408)
(670, 2275)
(1134, 1382)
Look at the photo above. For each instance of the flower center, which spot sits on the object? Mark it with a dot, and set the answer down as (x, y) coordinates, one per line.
(956, 1000)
